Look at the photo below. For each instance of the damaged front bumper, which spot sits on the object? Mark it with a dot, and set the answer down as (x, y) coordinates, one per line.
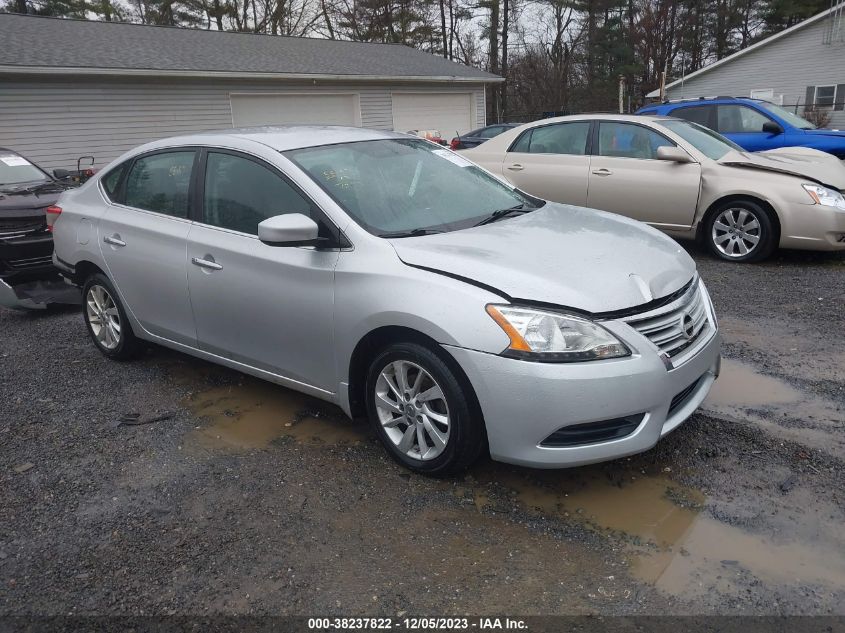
(37, 295)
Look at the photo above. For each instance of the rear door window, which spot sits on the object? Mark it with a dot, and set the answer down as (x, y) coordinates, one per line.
(161, 182)
(703, 115)
(558, 138)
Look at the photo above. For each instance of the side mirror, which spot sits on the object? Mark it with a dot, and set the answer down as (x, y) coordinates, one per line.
(770, 127)
(291, 229)
(674, 154)
(61, 174)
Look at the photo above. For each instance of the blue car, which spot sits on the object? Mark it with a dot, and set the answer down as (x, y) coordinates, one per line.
(753, 124)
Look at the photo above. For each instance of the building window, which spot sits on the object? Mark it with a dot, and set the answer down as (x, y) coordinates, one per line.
(825, 96)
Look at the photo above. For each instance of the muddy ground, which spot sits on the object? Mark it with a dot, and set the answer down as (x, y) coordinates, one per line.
(248, 498)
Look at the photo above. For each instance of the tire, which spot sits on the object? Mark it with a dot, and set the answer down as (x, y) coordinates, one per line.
(450, 446)
(732, 228)
(105, 319)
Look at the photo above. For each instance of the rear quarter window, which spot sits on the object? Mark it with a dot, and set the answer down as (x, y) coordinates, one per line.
(111, 182)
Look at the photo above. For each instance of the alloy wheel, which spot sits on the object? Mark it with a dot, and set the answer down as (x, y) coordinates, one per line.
(412, 409)
(736, 232)
(103, 316)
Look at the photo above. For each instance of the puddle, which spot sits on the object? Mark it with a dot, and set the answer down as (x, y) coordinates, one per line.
(255, 413)
(784, 411)
(671, 543)
(739, 385)
(711, 553)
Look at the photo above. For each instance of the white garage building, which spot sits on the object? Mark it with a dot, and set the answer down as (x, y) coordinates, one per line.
(70, 88)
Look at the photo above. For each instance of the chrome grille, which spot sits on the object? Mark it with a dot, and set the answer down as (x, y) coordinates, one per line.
(20, 226)
(677, 326)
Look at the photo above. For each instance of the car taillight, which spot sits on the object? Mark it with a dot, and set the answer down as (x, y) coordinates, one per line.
(456, 142)
(53, 213)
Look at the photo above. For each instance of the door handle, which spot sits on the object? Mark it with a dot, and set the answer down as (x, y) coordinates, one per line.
(114, 240)
(602, 172)
(516, 167)
(204, 263)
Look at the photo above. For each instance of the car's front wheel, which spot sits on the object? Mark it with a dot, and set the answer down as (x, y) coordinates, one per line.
(421, 412)
(740, 231)
(105, 319)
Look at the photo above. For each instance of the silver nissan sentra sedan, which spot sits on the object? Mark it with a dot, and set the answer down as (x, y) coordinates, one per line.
(396, 279)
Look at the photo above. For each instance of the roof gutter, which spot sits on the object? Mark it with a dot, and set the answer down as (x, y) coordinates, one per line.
(76, 71)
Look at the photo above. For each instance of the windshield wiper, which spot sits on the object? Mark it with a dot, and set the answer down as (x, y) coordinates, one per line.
(502, 213)
(22, 191)
(411, 233)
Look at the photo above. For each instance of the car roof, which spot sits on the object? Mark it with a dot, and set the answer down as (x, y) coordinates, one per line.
(703, 100)
(632, 118)
(281, 138)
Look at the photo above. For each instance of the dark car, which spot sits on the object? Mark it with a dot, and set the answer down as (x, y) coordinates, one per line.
(477, 137)
(26, 243)
(753, 124)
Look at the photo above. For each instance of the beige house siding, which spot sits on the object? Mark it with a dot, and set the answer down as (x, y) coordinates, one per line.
(53, 121)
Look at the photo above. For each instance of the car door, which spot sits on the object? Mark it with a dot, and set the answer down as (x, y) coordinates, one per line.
(551, 162)
(143, 236)
(627, 178)
(744, 126)
(270, 307)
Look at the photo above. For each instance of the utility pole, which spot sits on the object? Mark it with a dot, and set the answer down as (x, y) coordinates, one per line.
(621, 94)
(504, 67)
(494, 54)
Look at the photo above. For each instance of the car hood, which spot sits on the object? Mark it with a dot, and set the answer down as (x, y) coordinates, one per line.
(573, 257)
(803, 162)
(13, 205)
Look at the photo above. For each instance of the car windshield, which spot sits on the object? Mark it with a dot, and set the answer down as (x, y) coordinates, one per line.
(705, 140)
(15, 170)
(786, 115)
(393, 187)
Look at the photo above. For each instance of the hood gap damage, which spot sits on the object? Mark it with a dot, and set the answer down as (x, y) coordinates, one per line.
(598, 316)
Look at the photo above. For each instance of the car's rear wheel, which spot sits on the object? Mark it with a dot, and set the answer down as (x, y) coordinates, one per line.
(105, 319)
(421, 412)
(740, 231)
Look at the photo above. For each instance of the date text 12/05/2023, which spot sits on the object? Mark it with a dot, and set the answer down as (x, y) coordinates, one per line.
(417, 624)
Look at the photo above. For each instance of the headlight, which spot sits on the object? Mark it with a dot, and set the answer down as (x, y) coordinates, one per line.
(548, 336)
(825, 196)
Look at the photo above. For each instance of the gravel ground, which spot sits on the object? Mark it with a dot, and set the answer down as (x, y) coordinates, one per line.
(247, 499)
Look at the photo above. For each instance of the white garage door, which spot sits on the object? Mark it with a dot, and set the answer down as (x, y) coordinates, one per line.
(447, 112)
(282, 109)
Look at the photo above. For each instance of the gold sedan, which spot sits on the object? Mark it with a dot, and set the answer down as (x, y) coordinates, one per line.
(679, 177)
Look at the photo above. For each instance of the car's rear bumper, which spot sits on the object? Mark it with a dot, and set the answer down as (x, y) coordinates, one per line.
(525, 402)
